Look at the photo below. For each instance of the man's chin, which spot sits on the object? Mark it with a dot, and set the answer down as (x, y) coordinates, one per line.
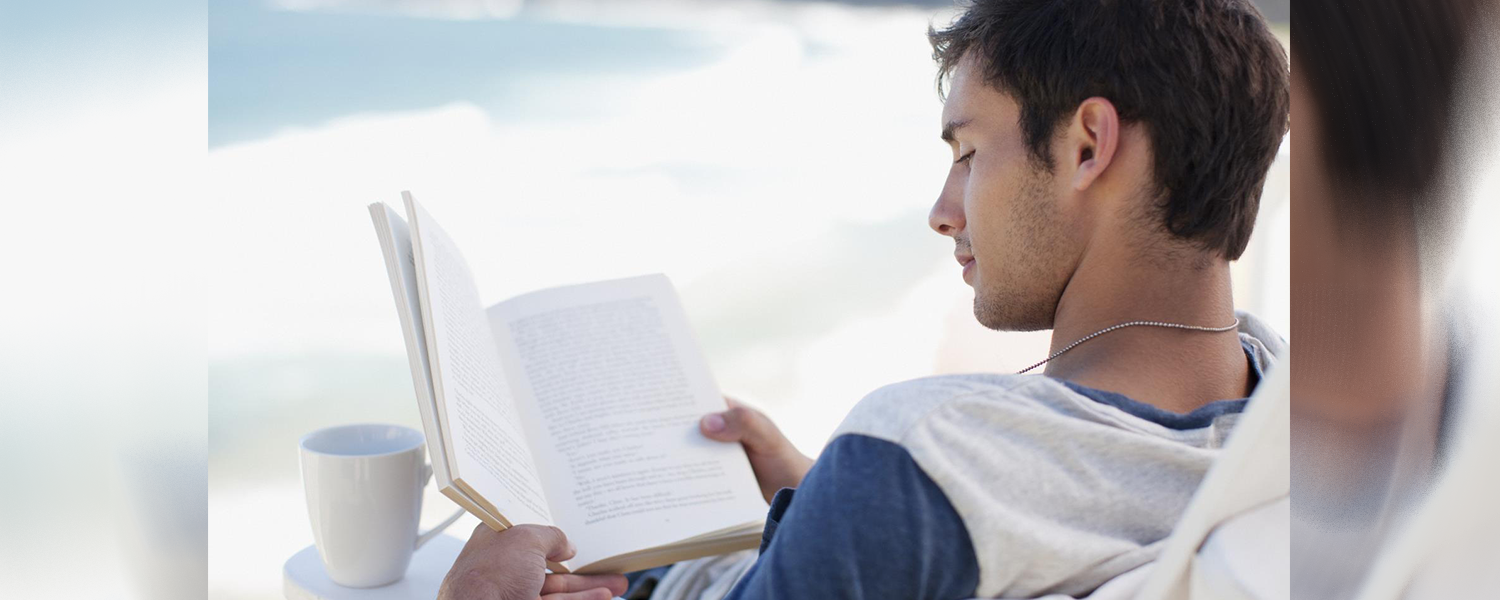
(1003, 315)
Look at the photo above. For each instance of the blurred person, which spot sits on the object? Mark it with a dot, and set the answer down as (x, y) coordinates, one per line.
(1380, 93)
(1108, 160)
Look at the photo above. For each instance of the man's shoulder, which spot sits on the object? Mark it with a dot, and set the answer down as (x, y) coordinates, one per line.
(893, 411)
(1087, 489)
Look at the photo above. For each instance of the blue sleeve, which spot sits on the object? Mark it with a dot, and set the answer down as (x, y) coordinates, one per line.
(865, 523)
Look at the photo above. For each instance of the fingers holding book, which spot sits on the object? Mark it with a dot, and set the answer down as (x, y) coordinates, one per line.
(776, 462)
(512, 565)
(567, 586)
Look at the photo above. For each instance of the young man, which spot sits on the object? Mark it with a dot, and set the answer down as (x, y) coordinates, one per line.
(1108, 162)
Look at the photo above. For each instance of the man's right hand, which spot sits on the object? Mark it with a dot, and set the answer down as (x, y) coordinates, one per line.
(776, 462)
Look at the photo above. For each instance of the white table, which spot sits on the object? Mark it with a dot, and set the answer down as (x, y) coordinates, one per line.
(303, 577)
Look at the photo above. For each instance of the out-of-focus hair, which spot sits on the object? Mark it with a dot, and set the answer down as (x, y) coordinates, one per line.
(1207, 78)
(1385, 79)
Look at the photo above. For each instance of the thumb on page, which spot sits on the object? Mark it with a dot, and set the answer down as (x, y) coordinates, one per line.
(740, 424)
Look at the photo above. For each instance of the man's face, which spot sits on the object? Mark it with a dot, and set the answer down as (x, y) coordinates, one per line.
(1000, 207)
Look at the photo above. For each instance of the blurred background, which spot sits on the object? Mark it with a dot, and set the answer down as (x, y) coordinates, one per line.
(776, 159)
(102, 368)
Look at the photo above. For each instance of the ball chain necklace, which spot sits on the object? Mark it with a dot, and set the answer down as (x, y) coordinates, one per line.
(1129, 324)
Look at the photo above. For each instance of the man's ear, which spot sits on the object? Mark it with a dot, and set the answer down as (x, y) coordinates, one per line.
(1093, 136)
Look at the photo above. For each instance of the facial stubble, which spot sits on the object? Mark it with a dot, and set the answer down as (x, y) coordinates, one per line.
(1025, 294)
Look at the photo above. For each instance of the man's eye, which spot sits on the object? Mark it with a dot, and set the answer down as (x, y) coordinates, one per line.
(965, 158)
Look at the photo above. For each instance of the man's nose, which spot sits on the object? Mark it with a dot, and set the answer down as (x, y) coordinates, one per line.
(947, 215)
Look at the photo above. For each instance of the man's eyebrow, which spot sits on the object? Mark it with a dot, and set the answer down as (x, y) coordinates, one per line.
(952, 126)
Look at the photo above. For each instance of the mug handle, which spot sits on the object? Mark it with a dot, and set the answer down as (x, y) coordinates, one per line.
(427, 536)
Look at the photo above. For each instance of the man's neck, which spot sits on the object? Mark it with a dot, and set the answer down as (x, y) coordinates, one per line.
(1173, 369)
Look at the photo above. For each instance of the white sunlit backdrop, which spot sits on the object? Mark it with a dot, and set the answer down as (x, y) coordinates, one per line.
(775, 159)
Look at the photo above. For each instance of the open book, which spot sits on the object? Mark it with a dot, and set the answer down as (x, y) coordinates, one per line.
(574, 406)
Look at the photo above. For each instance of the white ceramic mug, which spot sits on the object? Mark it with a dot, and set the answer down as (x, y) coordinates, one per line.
(364, 498)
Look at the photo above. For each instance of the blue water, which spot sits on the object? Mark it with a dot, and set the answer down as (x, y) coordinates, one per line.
(271, 69)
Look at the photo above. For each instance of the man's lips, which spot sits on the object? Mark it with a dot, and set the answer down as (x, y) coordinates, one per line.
(964, 259)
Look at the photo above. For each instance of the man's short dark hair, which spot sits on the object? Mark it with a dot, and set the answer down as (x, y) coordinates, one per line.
(1207, 78)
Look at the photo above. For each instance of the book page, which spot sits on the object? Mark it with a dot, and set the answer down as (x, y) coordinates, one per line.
(613, 385)
(492, 462)
(401, 268)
